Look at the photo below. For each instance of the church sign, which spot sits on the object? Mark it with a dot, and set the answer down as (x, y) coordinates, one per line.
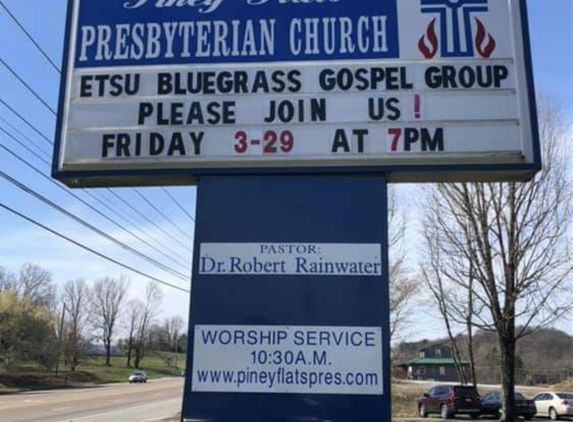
(163, 91)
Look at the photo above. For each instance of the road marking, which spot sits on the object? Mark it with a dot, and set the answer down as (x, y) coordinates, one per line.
(59, 409)
(120, 401)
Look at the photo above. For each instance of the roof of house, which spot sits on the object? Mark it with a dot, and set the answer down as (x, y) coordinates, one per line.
(429, 346)
(435, 361)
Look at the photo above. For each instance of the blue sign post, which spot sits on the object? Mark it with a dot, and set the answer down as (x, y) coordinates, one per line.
(289, 307)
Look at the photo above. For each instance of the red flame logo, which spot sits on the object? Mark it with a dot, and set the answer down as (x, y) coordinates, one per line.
(484, 50)
(428, 43)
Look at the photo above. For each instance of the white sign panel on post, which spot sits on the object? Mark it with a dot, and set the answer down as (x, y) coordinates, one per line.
(302, 259)
(286, 359)
(422, 90)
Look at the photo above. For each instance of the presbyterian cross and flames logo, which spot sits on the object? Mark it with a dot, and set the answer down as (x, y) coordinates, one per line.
(457, 36)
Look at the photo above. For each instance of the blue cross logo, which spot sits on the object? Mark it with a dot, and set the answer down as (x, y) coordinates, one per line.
(456, 38)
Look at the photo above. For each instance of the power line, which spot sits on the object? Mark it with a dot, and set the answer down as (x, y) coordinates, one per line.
(101, 255)
(22, 81)
(148, 220)
(137, 212)
(146, 257)
(90, 206)
(19, 132)
(84, 223)
(32, 90)
(17, 22)
(47, 57)
(160, 212)
(177, 203)
(124, 219)
(26, 121)
(23, 145)
(35, 93)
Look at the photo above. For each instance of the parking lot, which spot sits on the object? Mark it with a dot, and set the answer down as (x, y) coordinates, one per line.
(405, 395)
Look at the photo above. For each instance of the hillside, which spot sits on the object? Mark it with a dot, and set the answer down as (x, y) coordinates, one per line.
(543, 357)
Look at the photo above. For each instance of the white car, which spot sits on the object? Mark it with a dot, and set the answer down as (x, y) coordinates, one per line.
(554, 404)
(138, 376)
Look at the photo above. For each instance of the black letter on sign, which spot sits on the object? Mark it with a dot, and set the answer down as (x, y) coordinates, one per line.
(392, 105)
(164, 84)
(501, 73)
(145, 110)
(197, 139)
(360, 134)
(433, 143)
(156, 143)
(123, 142)
(411, 136)
(107, 144)
(176, 145)
(340, 141)
(86, 86)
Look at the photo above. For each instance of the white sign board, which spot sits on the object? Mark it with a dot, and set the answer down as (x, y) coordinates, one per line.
(302, 259)
(422, 90)
(286, 359)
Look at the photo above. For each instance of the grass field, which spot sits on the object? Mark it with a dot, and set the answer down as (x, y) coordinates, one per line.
(404, 399)
(90, 371)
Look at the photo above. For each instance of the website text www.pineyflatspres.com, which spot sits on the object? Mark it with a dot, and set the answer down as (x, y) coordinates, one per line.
(286, 377)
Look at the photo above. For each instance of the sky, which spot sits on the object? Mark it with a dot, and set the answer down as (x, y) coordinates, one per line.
(551, 27)
(22, 241)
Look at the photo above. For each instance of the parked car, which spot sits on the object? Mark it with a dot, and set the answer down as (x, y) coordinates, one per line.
(450, 400)
(554, 404)
(492, 404)
(138, 376)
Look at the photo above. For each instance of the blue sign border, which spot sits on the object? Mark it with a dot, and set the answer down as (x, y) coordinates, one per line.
(395, 173)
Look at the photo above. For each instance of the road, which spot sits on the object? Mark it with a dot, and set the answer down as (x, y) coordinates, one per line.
(154, 400)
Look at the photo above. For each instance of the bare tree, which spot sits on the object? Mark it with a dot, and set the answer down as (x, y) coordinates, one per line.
(75, 298)
(7, 280)
(107, 296)
(173, 327)
(33, 283)
(402, 287)
(133, 316)
(507, 243)
(451, 309)
(149, 311)
(37, 285)
(157, 338)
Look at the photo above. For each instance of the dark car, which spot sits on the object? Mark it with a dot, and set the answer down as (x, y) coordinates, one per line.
(492, 404)
(450, 400)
